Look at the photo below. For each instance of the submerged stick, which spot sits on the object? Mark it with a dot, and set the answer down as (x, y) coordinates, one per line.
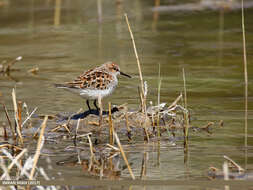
(123, 154)
(144, 166)
(39, 146)
(138, 62)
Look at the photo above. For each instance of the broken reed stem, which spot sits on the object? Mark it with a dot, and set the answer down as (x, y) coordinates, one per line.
(123, 154)
(225, 170)
(175, 101)
(9, 121)
(138, 62)
(111, 140)
(28, 117)
(16, 117)
(11, 147)
(39, 146)
(13, 162)
(91, 147)
(146, 114)
(185, 96)
(8, 68)
(186, 115)
(4, 168)
(245, 78)
(240, 169)
(77, 127)
(5, 132)
(158, 103)
(19, 115)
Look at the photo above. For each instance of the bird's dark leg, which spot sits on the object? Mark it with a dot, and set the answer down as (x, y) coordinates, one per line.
(87, 102)
(95, 104)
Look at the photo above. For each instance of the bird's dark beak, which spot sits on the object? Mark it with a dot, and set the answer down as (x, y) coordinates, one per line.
(124, 74)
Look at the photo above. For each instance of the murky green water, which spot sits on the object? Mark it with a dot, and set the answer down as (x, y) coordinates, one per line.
(207, 44)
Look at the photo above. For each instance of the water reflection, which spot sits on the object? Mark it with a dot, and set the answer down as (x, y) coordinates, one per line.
(64, 38)
(57, 13)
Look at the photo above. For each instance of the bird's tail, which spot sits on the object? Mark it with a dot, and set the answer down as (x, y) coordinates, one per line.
(60, 85)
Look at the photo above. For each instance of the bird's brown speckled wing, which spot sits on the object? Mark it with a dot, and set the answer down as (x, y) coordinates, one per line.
(91, 80)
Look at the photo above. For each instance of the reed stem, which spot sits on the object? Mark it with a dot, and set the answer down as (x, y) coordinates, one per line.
(138, 63)
(245, 78)
(158, 103)
(39, 146)
(16, 117)
(9, 121)
(186, 115)
(110, 125)
(123, 154)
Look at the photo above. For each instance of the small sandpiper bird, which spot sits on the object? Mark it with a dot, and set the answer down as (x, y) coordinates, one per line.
(100, 81)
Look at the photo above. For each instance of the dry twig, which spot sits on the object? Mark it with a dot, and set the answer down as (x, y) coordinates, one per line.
(39, 146)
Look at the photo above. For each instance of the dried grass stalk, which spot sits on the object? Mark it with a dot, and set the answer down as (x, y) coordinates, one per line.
(91, 147)
(39, 146)
(158, 103)
(175, 101)
(123, 154)
(111, 140)
(9, 121)
(138, 62)
(16, 117)
(240, 169)
(19, 115)
(245, 78)
(28, 117)
(186, 114)
(14, 162)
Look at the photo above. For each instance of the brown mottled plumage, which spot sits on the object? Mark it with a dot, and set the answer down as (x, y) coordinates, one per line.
(100, 81)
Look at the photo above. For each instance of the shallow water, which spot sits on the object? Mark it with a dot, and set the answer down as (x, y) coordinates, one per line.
(207, 44)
